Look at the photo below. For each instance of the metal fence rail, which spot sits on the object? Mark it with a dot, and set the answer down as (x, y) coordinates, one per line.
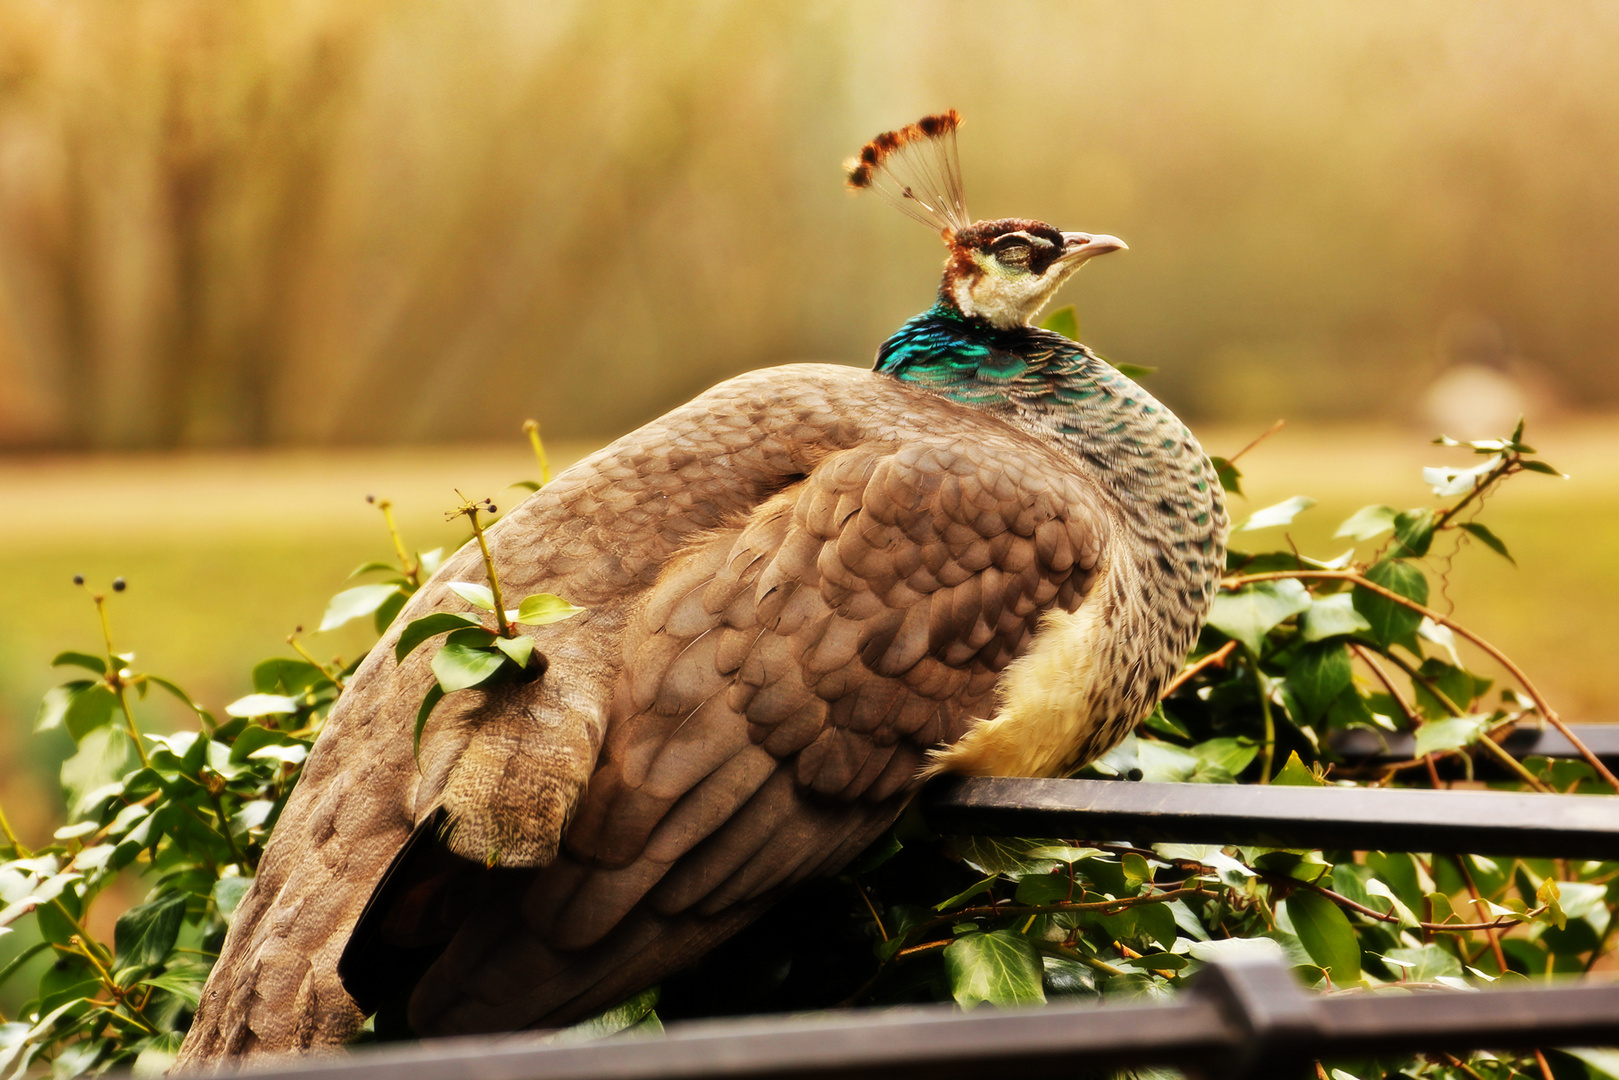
(1361, 747)
(1239, 1019)
(1375, 819)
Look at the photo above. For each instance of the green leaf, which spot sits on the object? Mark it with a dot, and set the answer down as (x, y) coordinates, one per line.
(1282, 513)
(227, 895)
(184, 983)
(1326, 935)
(79, 659)
(89, 710)
(1221, 761)
(479, 596)
(1130, 371)
(1413, 534)
(1458, 687)
(1393, 623)
(1296, 774)
(519, 649)
(1438, 736)
(387, 611)
(263, 705)
(144, 935)
(1397, 907)
(1367, 522)
(1229, 475)
(1448, 481)
(1000, 967)
(371, 567)
(434, 693)
(542, 609)
(419, 630)
(1427, 963)
(611, 1021)
(58, 699)
(157, 1054)
(1062, 321)
(102, 760)
(1489, 539)
(1164, 724)
(1542, 467)
(1318, 674)
(1332, 616)
(1251, 612)
(460, 667)
(183, 697)
(284, 675)
(353, 603)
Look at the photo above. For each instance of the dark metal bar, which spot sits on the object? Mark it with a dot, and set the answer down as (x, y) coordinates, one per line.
(1239, 1019)
(1362, 747)
(1376, 819)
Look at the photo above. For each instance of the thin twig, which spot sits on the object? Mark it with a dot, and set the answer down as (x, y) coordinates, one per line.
(1217, 658)
(1344, 902)
(1478, 902)
(1267, 433)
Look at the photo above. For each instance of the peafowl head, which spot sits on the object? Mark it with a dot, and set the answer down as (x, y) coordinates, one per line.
(1000, 272)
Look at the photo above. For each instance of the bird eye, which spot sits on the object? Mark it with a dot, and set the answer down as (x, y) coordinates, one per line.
(1011, 251)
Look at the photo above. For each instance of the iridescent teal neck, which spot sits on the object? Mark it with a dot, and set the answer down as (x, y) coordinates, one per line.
(971, 361)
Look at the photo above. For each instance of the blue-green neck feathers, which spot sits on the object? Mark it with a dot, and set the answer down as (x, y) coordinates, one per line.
(976, 364)
(1045, 383)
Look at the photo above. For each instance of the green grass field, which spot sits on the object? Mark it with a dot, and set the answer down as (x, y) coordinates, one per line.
(225, 554)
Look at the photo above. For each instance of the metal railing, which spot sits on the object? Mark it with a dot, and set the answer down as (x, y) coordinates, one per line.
(1237, 1019)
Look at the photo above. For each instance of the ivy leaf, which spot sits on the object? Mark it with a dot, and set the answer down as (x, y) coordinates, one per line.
(1332, 616)
(1426, 963)
(611, 1021)
(143, 935)
(1229, 475)
(1438, 736)
(460, 667)
(352, 603)
(479, 596)
(1397, 907)
(1393, 623)
(542, 609)
(1063, 321)
(419, 630)
(1448, 482)
(1282, 513)
(1458, 687)
(1489, 540)
(1324, 931)
(1000, 967)
(1542, 467)
(1317, 675)
(1296, 774)
(1413, 534)
(1251, 612)
(1367, 522)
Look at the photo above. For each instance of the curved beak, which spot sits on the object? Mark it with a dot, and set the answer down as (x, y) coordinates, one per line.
(1079, 246)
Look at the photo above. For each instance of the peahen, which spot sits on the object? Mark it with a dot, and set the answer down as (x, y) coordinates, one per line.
(806, 590)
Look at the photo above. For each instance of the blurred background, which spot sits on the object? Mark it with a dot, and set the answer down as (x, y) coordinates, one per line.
(258, 259)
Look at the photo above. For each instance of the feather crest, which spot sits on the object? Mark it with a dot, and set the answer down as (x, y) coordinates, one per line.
(915, 168)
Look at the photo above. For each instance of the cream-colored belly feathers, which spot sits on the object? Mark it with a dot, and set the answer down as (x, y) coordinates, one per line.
(1046, 699)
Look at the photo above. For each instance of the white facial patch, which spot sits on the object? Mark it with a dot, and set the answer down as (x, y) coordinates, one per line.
(1005, 296)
